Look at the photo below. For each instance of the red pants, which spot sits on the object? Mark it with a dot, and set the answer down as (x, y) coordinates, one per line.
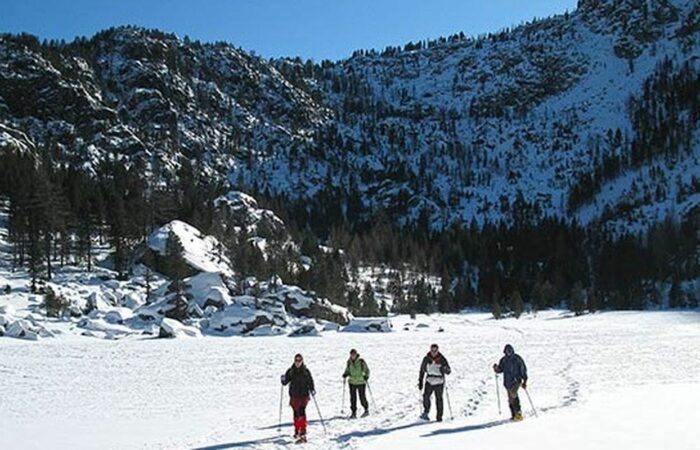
(298, 404)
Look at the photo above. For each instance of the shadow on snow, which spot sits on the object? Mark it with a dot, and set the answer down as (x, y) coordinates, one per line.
(481, 426)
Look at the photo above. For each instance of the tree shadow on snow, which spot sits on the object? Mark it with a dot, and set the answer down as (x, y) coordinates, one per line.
(481, 426)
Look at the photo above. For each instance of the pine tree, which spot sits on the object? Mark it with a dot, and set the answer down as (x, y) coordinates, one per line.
(675, 295)
(516, 304)
(174, 265)
(353, 301)
(369, 306)
(445, 298)
(54, 303)
(496, 309)
(577, 299)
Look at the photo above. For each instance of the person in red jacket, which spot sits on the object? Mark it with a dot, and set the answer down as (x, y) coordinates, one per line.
(301, 385)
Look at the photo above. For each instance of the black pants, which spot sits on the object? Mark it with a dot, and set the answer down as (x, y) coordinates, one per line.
(354, 389)
(429, 389)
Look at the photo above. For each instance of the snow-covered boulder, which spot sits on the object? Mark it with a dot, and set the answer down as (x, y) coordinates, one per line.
(331, 326)
(209, 289)
(118, 315)
(237, 319)
(170, 328)
(267, 330)
(303, 304)
(369, 324)
(132, 300)
(22, 329)
(237, 209)
(102, 326)
(307, 329)
(97, 302)
(201, 253)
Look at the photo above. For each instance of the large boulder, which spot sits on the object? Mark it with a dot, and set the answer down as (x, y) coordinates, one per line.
(171, 328)
(301, 303)
(23, 329)
(118, 315)
(241, 211)
(200, 253)
(209, 289)
(369, 325)
(239, 319)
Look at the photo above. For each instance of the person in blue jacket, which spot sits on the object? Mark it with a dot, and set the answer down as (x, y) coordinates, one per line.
(514, 373)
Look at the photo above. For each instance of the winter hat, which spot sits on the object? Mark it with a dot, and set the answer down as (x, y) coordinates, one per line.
(508, 349)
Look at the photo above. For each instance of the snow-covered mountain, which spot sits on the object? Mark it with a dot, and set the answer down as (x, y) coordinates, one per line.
(590, 116)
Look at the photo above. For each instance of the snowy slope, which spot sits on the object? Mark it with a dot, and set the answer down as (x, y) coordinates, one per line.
(611, 377)
(503, 127)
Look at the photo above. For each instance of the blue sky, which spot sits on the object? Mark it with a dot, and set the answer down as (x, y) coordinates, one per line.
(316, 29)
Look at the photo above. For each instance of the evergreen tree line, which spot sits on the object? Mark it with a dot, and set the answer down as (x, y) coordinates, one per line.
(58, 213)
(550, 263)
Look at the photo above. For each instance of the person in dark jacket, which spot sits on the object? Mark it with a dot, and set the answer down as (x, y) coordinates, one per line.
(358, 372)
(433, 368)
(514, 373)
(301, 384)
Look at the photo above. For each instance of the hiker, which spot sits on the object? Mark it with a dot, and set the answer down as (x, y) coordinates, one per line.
(357, 372)
(434, 368)
(301, 385)
(514, 373)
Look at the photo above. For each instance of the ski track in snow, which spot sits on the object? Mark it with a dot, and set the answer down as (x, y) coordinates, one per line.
(219, 393)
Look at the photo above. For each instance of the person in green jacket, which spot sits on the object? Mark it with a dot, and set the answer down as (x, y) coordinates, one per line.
(358, 373)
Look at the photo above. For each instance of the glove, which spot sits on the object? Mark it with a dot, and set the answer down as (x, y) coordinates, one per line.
(366, 377)
(283, 379)
(495, 367)
(345, 375)
(524, 384)
(420, 386)
(312, 392)
(445, 370)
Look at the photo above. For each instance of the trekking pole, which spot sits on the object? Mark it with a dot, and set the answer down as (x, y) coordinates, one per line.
(319, 414)
(530, 399)
(342, 404)
(449, 404)
(498, 393)
(279, 422)
(371, 395)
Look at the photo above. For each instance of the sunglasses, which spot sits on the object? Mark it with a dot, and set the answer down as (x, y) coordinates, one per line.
(298, 360)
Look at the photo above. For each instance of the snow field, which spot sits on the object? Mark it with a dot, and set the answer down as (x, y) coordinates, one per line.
(215, 393)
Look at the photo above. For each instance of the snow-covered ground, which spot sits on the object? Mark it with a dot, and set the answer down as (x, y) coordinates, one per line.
(609, 380)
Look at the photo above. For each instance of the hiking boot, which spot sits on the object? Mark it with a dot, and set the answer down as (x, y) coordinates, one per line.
(366, 413)
(353, 415)
(424, 416)
(518, 417)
